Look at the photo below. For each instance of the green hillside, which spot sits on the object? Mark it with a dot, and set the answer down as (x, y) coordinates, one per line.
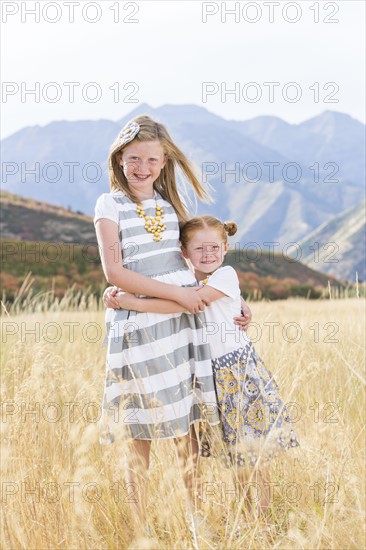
(53, 266)
(276, 276)
(58, 247)
(58, 266)
(278, 266)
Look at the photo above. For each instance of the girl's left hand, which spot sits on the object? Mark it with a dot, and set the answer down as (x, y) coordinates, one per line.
(244, 321)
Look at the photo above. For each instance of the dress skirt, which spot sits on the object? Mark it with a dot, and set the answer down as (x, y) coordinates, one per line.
(255, 422)
(158, 372)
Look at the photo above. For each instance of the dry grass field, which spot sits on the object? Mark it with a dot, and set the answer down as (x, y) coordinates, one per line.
(62, 489)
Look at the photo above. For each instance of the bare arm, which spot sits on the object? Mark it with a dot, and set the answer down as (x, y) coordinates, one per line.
(147, 305)
(126, 300)
(116, 274)
(211, 294)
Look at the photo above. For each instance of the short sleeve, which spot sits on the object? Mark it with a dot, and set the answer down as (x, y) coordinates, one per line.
(106, 207)
(226, 281)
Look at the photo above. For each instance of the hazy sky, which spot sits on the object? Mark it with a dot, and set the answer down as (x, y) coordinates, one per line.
(169, 53)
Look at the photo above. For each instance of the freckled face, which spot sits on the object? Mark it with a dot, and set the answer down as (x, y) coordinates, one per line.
(142, 163)
(206, 250)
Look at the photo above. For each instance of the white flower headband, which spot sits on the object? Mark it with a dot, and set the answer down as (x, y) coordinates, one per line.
(128, 132)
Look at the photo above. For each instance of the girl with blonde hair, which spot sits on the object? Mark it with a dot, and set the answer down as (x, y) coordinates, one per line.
(158, 368)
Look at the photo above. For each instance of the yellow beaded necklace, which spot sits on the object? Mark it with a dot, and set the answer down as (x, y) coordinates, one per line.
(154, 225)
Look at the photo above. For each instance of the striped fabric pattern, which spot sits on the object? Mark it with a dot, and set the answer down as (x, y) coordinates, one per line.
(158, 368)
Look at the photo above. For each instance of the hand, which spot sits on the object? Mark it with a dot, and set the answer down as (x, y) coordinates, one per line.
(126, 300)
(190, 299)
(109, 297)
(205, 300)
(244, 321)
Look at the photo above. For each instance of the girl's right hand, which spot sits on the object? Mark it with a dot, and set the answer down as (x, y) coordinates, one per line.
(109, 297)
(190, 299)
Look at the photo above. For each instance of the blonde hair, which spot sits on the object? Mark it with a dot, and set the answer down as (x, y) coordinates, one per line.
(166, 184)
(193, 225)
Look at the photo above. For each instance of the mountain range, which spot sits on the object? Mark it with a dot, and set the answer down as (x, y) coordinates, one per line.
(338, 246)
(278, 181)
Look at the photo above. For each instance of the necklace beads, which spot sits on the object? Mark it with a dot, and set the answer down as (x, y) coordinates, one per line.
(154, 225)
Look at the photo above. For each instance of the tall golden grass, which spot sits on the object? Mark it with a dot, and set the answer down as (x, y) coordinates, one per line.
(62, 489)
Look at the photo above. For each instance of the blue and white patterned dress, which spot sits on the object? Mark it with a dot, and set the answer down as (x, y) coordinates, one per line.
(158, 369)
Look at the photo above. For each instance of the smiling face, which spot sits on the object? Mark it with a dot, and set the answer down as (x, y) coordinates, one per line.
(206, 250)
(142, 162)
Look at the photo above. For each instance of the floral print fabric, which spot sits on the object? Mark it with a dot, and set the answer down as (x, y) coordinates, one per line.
(255, 422)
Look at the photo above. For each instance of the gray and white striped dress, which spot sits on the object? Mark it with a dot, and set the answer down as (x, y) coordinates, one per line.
(158, 368)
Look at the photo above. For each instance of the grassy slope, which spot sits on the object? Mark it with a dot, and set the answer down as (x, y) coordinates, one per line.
(31, 220)
(42, 239)
(276, 265)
